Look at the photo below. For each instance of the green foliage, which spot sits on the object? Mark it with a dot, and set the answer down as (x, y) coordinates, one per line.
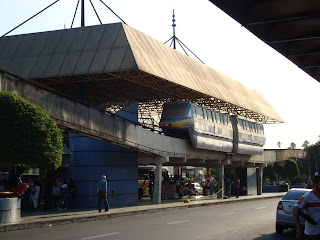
(279, 170)
(301, 178)
(288, 171)
(29, 137)
(291, 168)
(268, 173)
(314, 155)
(267, 180)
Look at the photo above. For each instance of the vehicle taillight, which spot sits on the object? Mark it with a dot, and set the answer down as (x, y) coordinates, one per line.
(280, 206)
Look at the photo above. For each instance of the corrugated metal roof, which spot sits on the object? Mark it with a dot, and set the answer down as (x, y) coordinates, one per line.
(116, 48)
(160, 60)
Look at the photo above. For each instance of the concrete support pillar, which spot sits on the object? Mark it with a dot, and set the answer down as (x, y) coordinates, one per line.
(260, 178)
(158, 179)
(221, 181)
(157, 183)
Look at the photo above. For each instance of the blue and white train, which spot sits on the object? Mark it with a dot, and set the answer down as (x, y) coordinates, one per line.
(213, 130)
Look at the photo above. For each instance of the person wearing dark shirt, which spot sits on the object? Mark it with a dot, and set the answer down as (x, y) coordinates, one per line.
(237, 186)
(102, 193)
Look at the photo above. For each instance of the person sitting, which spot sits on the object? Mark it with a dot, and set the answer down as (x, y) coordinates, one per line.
(20, 186)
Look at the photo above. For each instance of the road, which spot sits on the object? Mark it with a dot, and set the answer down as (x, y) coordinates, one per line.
(241, 221)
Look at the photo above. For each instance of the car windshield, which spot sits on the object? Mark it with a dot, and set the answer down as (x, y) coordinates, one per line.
(294, 195)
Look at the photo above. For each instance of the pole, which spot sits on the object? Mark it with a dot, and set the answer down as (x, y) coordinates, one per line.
(174, 31)
(82, 13)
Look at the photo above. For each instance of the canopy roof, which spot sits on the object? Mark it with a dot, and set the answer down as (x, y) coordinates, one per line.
(117, 63)
(289, 26)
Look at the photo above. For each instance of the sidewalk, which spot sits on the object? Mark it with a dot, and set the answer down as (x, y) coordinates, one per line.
(48, 218)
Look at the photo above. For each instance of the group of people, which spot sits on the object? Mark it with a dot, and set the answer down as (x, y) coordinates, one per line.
(30, 192)
(62, 194)
(228, 186)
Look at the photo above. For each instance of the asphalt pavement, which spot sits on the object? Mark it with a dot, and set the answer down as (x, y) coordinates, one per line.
(49, 218)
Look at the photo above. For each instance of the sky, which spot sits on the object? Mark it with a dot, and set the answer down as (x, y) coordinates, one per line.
(218, 40)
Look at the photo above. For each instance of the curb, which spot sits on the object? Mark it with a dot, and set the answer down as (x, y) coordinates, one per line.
(98, 216)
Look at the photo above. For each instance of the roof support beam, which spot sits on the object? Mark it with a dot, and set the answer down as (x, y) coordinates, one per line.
(282, 20)
(295, 39)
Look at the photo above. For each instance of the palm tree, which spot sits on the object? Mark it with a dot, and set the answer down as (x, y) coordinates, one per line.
(292, 146)
(305, 144)
(279, 144)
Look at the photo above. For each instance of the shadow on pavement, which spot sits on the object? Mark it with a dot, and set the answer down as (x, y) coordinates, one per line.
(289, 234)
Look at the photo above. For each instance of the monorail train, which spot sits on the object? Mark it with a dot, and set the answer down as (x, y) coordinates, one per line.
(209, 129)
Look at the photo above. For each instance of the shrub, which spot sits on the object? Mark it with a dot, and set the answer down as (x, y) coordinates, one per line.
(29, 137)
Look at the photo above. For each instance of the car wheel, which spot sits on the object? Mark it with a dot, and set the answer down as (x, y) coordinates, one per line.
(279, 228)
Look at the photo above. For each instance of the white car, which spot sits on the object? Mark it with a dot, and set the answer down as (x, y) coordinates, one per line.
(284, 217)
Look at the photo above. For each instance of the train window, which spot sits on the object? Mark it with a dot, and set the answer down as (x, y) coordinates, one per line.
(204, 113)
(176, 110)
(218, 117)
(246, 126)
(255, 127)
(240, 122)
(209, 115)
(221, 118)
(194, 111)
(199, 112)
(225, 118)
(214, 116)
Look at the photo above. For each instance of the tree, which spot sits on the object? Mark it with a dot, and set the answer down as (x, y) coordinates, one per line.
(279, 144)
(292, 170)
(305, 144)
(269, 173)
(292, 146)
(287, 171)
(279, 170)
(313, 153)
(29, 137)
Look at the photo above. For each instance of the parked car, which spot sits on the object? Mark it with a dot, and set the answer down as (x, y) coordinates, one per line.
(284, 216)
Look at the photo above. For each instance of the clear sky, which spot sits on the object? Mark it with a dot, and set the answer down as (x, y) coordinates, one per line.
(218, 40)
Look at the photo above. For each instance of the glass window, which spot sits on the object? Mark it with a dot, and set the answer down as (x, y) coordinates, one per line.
(246, 126)
(225, 118)
(194, 111)
(204, 113)
(294, 195)
(199, 112)
(209, 115)
(240, 122)
(176, 110)
(214, 116)
(218, 117)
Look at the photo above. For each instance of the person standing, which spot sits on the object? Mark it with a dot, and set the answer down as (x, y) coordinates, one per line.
(237, 186)
(72, 192)
(310, 202)
(35, 193)
(56, 194)
(64, 194)
(208, 187)
(102, 193)
(228, 185)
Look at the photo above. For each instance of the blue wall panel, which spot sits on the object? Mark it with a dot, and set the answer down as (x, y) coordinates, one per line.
(94, 158)
(90, 159)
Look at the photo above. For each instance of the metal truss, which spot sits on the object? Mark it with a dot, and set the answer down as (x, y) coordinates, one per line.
(116, 90)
